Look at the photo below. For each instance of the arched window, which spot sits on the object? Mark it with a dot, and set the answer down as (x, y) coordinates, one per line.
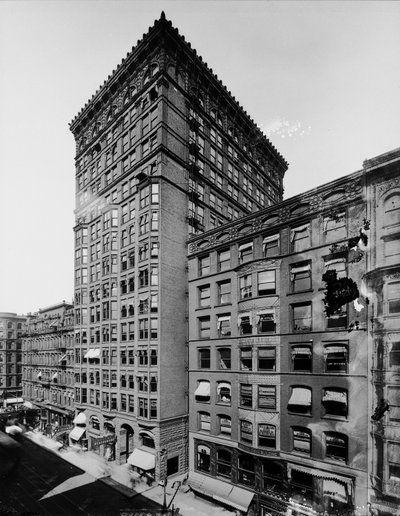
(224, 459)
(147, 439)
(335, 401)
(203, 458)
(95, 423)
(392, 210)
(336, 446)
(224, 392)
(300, 400)
(246, 471)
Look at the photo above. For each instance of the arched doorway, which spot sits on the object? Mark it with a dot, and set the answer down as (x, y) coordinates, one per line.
(125, 442)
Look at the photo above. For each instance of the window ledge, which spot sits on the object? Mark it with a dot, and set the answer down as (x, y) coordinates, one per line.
(223, 304)
(335, 417)
(300, 292)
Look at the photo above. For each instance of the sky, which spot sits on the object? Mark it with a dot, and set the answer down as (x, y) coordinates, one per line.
(321, 79)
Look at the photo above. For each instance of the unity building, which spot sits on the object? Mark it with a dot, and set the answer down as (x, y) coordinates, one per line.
(294, 330)
(163, 152)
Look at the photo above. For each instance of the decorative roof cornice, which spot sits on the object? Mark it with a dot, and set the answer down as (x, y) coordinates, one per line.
(162, 25)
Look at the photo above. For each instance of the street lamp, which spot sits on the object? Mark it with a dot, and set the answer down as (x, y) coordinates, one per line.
(163, 453)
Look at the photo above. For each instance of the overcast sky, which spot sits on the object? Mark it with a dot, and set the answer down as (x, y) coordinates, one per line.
(322, 79)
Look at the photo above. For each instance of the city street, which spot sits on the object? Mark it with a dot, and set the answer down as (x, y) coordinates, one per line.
(44, 484)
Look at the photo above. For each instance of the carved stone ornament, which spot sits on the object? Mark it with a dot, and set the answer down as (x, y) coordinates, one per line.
(352, 189)
(257, 224)
(193, 247)
(385, 187)
(315, 202)
(233, 233)
(395, 275)
(260, 266)
(284, 214)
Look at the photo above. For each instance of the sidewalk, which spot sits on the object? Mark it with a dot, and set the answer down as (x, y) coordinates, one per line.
(124, 480)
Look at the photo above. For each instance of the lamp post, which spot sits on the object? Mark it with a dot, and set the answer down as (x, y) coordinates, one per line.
(163, 453)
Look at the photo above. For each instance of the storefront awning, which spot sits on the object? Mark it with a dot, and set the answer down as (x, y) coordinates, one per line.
(335, 490)
(80, 419)
(221, 491)
(10, 401)
(300, 396)
(77, 433)
(142, 459)
(203, 389)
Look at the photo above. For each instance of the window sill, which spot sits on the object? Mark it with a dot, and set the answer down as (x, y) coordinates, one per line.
(334, 417)
(300, 292)
(223, 304)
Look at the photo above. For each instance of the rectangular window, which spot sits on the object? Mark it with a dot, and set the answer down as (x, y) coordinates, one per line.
(267, 397)
(245, 286)
(393, 297)
(204, 358)
(246, 395)
(224, 358)
(246, 431)
(266, 322)
(204, 421)
(224, 292)
(204, 327)
(300, 276)
(335, 227)
(301, 317)
(224, 325)
(266, 435)
(266, 359)
(204, 295)
(266, 283)
(224, 260)
(336, 358)
(225, 425)
(204, 265)
(246, 252)
(394, 355)
(301, 358)
(271, 245)
(302, 441)
(300, 238)
(245, 326)
(337, 264)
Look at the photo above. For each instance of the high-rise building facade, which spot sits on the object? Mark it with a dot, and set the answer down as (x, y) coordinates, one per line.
(294, 352)
(163, 151)
(48, 372)
(11, 328)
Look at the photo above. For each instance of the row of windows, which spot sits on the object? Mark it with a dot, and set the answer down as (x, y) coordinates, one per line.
(264, 358)
(334, 400)
(126, 381)
(146, 408)
(107, 356)
(147, 328)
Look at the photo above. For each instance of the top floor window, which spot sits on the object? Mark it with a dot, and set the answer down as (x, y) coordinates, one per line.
(300, 238)
(224, 259)
(392, 210)
(246, 252)
(271, 245)
(204, 265)
(335, 227)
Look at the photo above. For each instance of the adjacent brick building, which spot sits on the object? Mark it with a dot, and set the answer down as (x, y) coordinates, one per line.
(47, 357)
(11, 327)
(288, 314)
(163, 151)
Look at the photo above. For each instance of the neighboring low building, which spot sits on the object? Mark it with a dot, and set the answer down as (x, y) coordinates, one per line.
(11, 326)
(48, 357)
(278, 390)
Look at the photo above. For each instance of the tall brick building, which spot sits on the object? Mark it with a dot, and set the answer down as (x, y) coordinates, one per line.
(163, 152)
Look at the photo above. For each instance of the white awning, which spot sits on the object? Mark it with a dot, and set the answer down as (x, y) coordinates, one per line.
(224, 492)
(301, 350)
(55, 376)
(335, 349)
(339, 397)
(39, 375)
(335, 490)
(143, 297)
(142, 459)
(77, 433)
(271, 238)
(300, 396)
(224, 318)
(301, 268)
(203, 389)
(244, 247)
(10, 401)
(64, 357)
(80, 419)
(88, 354)
(333, 262)
(95, 353)
(223, 385)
